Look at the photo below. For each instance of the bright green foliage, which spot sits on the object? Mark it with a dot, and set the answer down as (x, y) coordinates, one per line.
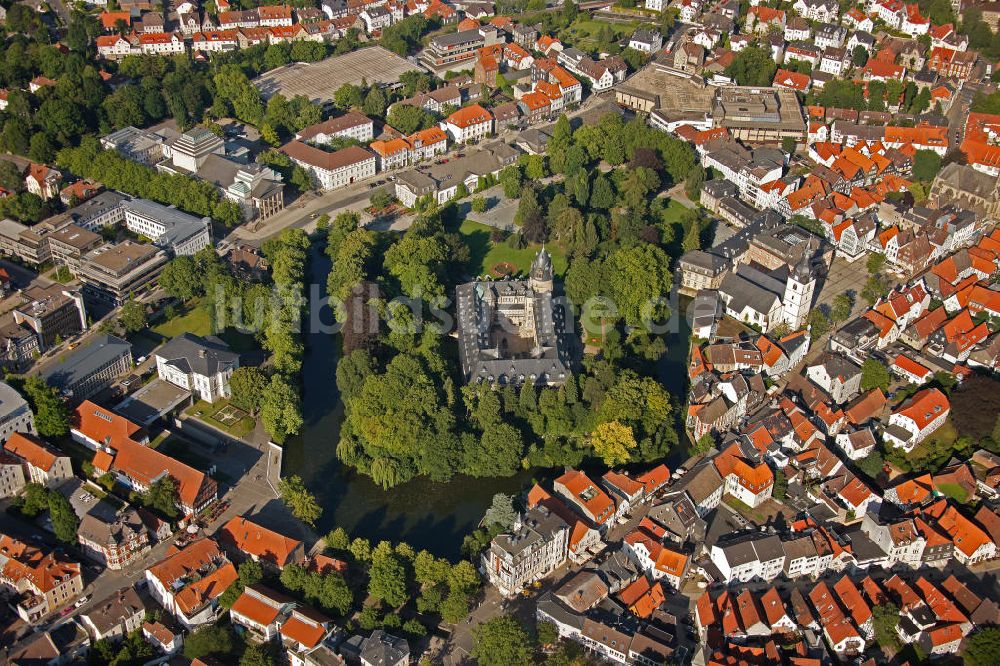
(502, 641)
(299, 500)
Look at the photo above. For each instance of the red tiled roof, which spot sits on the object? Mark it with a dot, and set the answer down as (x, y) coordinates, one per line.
(908, 365)
(104, 426)
(32, 450)
(754, 478)
(474, 114)
(914, 491)
(253, 539)
(110, 19)
(654, 478)
(925, 406)
(598, 504)
(255, 610)
(145, 465)
(303, 629)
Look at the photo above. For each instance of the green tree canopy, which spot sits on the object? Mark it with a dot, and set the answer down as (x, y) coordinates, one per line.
(753, 66)
(926, 164)
(51, 412)
(502, 641)
(299, 500)
(982, 647)
(132, 316)
(874, 375)
(248, 385)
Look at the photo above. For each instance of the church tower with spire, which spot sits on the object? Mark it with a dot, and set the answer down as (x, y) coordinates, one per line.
(540, 276)
(799, 289)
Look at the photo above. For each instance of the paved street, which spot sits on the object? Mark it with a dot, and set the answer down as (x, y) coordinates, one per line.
(844, 278)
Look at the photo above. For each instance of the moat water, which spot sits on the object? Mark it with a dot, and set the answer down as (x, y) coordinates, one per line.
(428, 515)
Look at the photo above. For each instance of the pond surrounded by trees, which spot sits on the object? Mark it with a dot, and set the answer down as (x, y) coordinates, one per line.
(425, 514)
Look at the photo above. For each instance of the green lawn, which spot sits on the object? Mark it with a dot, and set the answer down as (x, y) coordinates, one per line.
(196, 320)
(954, 491)
(585, 31)
(674, 212)
(485, 255)
(204, 411)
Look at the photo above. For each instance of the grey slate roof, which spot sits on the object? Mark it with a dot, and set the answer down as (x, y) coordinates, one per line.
(10, 400)
(115, 609)
(485, 310)
(382, 649)
(191, 353)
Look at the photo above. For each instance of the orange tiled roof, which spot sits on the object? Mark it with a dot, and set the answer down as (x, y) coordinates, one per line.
(866, 407)
(26, 564)
(157, 38)
(966, 535)
(307, 631)
(654, 478)
(925, 406)
(253, 539)
(32, 450)
(754, 478)
(916, 490)
(146, 465)
(390, 147)
(110, 19)
(578, 484)
(196, 595)
(907, 364)
(852, 600)
(429, 136)
(255, 610)
(624, 482)
(474, 114)
(103, 425)
(268, 12)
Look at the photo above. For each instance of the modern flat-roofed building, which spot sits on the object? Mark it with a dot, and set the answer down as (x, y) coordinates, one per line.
(168, 228)
(15, 415)
(445, 52)
(138, 145)
(90, 368)
(52, 313)
(201, 154)
(69, 244)
(29, 244)
(113, 273)
(759, 115)
(101, 210)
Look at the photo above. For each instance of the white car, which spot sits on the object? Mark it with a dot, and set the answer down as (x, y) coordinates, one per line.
(82, 600)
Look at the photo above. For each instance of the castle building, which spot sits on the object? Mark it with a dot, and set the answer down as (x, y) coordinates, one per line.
(509, 331)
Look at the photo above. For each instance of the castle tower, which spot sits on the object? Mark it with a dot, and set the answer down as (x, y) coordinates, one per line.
(540, 275)
(799, 288)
